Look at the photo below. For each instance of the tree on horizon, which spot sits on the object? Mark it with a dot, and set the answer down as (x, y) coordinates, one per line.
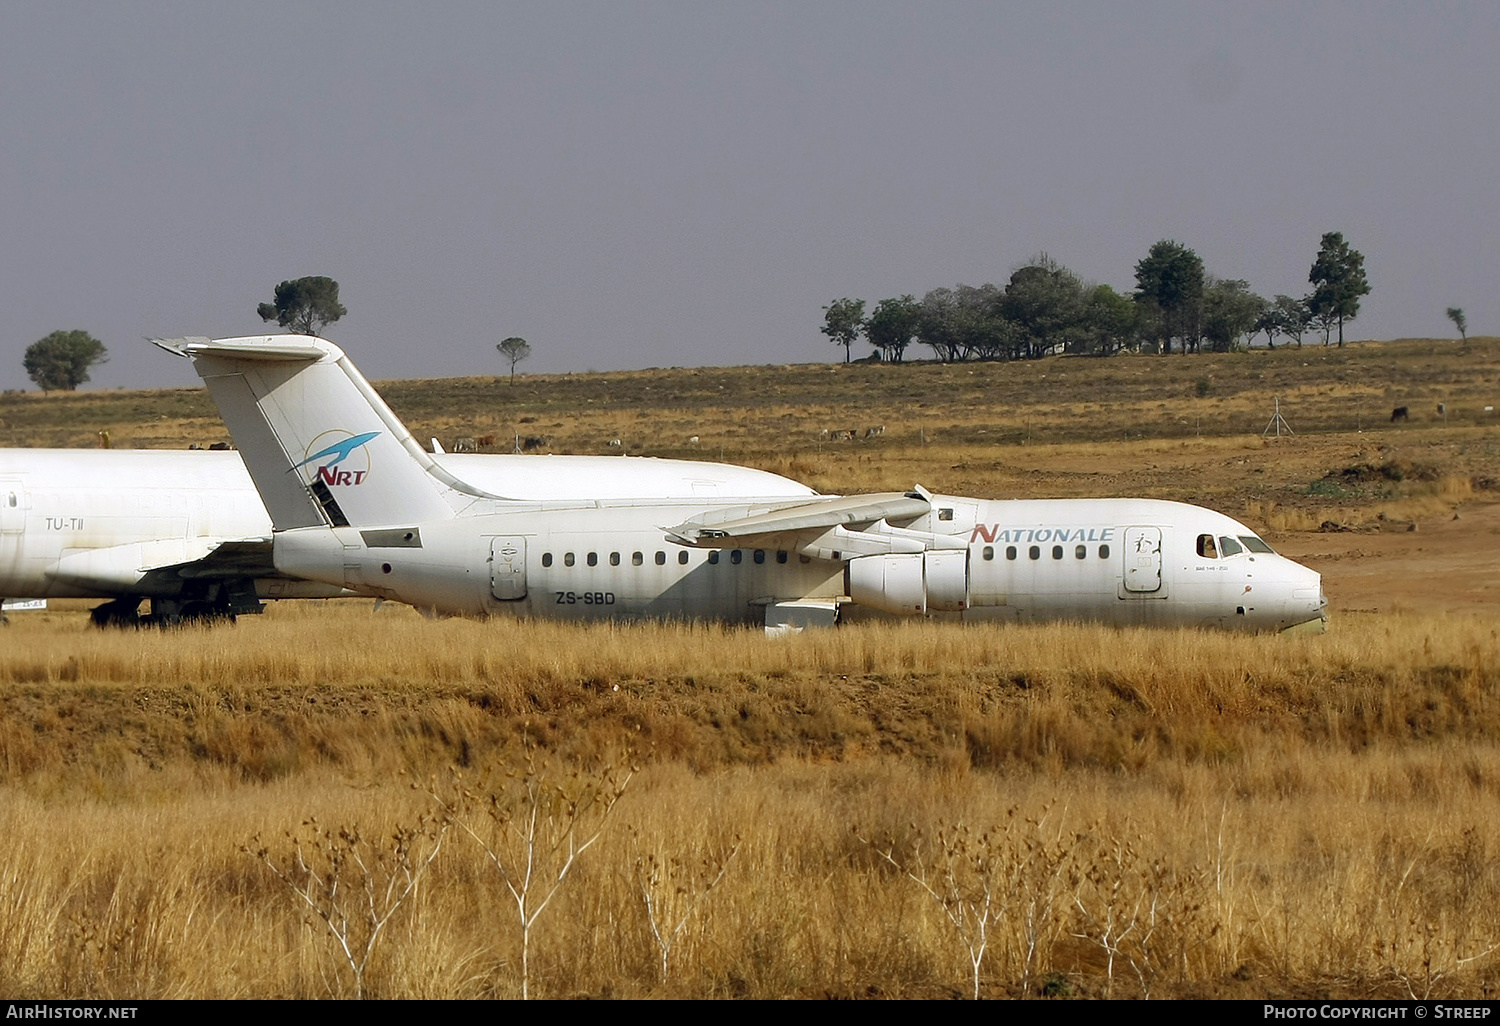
(61, 361)
(305, 305)
(1338, 279)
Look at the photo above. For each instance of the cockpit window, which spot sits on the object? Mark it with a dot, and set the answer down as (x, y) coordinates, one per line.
(1206, 547)
(1229, 547)
(1254, 544)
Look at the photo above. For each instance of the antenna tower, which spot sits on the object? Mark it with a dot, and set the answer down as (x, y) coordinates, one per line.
(1278, 425)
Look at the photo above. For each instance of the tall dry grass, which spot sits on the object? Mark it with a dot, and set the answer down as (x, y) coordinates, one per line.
(334, 685)
(1336, 888)
(1172, 813)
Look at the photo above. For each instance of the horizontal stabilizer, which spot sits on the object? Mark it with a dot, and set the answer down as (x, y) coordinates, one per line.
(302, 349)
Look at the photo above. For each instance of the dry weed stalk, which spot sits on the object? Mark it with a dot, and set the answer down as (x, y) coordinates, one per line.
(538, 829)
(353, 884)
(1438, 924)
(672, 888)
(1041, 868)
(1441, 958)
(1123, 900)
(975, 878)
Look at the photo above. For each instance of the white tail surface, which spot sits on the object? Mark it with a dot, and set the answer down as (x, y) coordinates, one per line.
(322, 448)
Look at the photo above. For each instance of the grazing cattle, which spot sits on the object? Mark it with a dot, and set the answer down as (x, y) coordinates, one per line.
(693, 440)
(878, 429)
(222, 446)
(533, 442)
(465, 445)
(1399, 413)
(486, 441)
(615, 443)
(823, 435)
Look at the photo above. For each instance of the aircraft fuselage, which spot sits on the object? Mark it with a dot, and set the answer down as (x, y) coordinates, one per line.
(1117, 561)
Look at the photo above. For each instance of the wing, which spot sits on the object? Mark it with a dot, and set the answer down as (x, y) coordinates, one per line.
(161, 567)
(833, 528)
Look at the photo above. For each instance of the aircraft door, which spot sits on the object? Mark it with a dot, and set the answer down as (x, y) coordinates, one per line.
(508, 568)
(12, 506)
(1142, 560)
(12, 524)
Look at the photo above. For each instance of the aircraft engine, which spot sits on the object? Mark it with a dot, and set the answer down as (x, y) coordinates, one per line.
(911, 583)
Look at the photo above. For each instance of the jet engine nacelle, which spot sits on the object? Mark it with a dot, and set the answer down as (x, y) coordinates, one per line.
(911, 583)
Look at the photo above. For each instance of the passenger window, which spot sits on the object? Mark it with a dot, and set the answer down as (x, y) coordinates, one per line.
(1035, 552)
(1104, 552)
(760, 555)
(661, 558)
(713, 557)
(1229, 547)
(682, 557)
(1057, 552)
(1082, 552)
(567, 559)
(1010, 552)
(735, 555)
(781, 556)
(614, 559)
(989, 552)
(593, 559)
(804, 558)
(636, 559)
(546, 559)
(1206, 547)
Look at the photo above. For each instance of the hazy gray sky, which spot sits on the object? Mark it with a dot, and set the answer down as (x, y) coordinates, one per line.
(649, 184)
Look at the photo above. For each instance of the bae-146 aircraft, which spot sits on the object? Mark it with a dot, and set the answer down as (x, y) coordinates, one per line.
(357, 504)
(186, 529)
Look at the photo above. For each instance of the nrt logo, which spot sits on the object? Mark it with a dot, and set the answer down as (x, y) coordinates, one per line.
(335, 447)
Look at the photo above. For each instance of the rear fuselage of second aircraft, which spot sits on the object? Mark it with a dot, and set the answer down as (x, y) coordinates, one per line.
(94, 523)
(1118, 561)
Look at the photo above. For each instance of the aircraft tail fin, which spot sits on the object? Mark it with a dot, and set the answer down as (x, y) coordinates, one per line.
(321, 446)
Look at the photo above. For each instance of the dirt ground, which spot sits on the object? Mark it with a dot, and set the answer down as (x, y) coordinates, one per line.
(1449, 564)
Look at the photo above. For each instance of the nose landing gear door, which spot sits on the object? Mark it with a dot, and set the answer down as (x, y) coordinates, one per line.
(508, 568)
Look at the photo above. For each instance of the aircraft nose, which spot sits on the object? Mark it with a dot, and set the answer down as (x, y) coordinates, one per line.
(1309, 601)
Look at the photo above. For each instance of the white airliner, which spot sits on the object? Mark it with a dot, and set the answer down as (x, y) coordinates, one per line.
(357, 504)
(187, 530)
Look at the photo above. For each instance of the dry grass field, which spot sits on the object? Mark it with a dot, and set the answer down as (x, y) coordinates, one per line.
(326, 801)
